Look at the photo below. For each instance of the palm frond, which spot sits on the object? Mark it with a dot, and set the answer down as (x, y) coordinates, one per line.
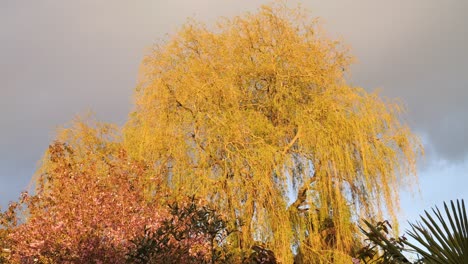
(439, 238)
(443, 240)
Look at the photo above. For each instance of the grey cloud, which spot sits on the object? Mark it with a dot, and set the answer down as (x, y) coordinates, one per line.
(413, 50)
(426, 64)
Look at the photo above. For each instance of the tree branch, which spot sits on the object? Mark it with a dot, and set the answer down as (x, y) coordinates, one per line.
(302, 193)
(286, 149)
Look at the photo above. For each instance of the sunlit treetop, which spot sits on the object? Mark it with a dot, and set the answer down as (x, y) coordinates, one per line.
(256, 115)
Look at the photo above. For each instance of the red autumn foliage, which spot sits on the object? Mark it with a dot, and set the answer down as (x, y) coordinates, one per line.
(84, 209)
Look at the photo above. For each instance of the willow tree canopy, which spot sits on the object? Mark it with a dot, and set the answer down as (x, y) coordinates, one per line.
(256, 115)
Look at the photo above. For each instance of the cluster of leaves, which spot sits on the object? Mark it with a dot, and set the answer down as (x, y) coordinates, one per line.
(261, 255)
(379, 237)
(8, 220)
(442, 239)
(194, 233)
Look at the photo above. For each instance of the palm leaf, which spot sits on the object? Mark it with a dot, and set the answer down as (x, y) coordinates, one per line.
(443, 240)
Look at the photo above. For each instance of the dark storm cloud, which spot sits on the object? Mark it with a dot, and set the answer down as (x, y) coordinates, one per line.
(416, 51)
(421, 56)
(60, 58)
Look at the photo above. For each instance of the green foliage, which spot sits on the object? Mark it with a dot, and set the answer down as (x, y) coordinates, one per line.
(193, 233)
(261, 255)
(442, 239)
(381, 246)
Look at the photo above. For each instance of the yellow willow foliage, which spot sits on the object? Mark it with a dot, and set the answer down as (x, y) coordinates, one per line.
(95, 144)
(90, 140)
(257, 107)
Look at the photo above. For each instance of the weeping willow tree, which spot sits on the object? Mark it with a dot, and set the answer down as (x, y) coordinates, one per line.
(256, 116)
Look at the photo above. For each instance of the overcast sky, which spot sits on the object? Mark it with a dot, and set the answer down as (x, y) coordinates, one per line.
(63, 58)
